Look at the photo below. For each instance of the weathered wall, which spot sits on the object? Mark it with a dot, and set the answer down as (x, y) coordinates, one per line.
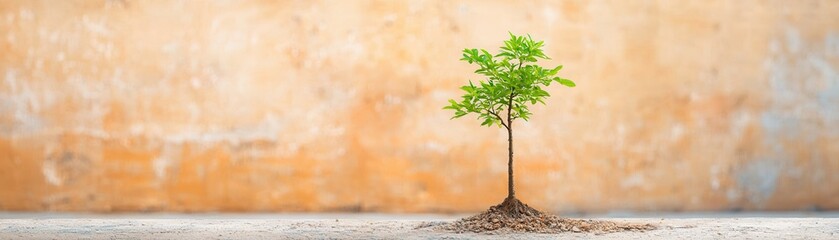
(336, 105)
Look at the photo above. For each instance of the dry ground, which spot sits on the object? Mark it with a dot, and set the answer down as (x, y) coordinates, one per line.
(378, 226)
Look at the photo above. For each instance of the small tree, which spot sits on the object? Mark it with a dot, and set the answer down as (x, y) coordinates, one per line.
(512, 82)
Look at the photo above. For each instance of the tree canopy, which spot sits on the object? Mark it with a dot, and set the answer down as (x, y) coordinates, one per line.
(512, 81)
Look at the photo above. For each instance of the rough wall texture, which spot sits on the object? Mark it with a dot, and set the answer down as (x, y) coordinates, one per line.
(336, 106)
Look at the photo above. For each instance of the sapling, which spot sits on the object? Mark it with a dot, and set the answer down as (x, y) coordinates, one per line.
(511, 82)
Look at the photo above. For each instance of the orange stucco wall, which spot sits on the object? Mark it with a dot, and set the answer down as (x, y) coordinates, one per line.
(336, 106)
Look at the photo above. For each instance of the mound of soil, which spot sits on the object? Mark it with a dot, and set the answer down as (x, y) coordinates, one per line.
(514, 216)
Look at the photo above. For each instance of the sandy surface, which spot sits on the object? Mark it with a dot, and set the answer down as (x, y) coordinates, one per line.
(377, 226)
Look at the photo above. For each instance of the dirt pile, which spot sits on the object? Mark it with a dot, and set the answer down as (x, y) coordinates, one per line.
(513, 216)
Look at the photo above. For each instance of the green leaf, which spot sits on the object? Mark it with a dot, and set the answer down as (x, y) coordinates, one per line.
(540, 93)
(505, 54)
(459, 114)
(555, 70)
(566, 82)
(468, 89)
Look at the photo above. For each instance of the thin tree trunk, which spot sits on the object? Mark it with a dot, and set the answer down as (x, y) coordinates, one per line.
(511, 193)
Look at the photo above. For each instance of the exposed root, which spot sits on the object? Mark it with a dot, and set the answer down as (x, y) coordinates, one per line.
(514, 216)
(514, 208)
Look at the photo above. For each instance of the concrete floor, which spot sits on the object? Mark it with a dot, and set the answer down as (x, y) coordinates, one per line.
(387, 226)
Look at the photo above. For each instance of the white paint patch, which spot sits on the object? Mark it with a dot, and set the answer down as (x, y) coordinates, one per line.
(634, 180)
(794, 44)
(161, 166)
(715, 178)
(823, 67)
(97, 27)
(715, 183)
(436, 147)
(774, 46)
(268, 129)
(11, 77)
(54, 37)
(390, 18)
(170, 48)
(196, 83)
(677, 131)
(51, 174)
(621, 135)
(741, 122)
(550, 15)
(26, 14)
(732, 195)
(351, 50)
(602, 102)
(137, 129)
(21, 104)
(695, 97)
(440, 95)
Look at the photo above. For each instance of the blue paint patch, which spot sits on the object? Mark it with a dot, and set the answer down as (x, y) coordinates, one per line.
(759, 180)
(771, 122)
(829, 98)
(829, 105)
(779, 126)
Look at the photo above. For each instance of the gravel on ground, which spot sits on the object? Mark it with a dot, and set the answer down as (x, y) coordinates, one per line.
(350, 226)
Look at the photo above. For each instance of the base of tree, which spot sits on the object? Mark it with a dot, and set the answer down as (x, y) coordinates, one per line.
(514, 216)
(514, 208)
